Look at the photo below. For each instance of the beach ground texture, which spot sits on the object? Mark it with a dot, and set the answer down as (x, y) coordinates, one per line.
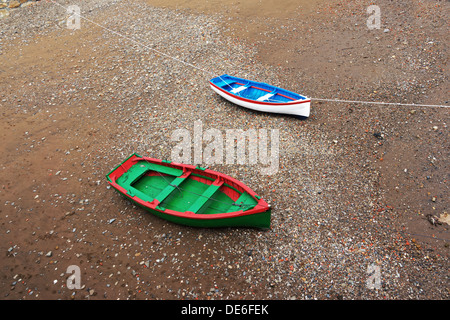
(359, 207)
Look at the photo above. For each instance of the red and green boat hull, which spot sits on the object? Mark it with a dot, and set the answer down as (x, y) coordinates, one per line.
(189, 195)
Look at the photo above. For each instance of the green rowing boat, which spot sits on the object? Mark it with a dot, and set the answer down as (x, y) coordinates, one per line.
(188, 194)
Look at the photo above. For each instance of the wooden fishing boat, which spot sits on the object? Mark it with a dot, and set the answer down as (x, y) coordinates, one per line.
(188, 194)
(260, 96)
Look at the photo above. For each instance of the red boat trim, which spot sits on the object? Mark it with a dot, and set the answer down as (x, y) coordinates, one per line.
(261, 102)
(261, 206)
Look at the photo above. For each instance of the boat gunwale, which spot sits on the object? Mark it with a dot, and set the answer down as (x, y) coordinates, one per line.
(294, 102)
(260, 206)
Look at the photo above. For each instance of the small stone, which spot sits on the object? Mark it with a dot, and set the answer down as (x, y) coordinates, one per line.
(4, 13)
(49, 254)
(378, 135)
(14, 4)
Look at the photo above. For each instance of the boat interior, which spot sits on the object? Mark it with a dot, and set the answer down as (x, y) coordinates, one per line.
(184, 190)
(255, 90)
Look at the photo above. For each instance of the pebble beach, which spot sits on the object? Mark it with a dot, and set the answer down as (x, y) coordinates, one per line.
(358, 194)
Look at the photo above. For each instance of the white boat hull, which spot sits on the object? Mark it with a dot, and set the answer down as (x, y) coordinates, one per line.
(298, 107)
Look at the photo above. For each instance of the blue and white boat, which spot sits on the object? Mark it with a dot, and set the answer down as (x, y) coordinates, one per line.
(260, 96)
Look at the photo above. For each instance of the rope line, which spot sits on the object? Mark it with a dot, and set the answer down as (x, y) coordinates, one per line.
(383, 103)
(135, 41)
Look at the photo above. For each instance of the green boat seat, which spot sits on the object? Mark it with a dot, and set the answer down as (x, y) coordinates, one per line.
(206, 195)
(171, 187)
(247, 202)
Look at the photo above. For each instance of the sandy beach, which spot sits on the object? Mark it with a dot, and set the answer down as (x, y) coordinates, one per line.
(358, 194)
